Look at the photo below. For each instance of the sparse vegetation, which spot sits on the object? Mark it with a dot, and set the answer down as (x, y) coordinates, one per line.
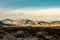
(38, 32)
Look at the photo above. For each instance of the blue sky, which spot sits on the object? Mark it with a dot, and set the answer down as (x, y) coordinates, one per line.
(31, 9)
(29, 3)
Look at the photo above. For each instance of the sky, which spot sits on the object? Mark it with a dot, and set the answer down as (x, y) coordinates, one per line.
(47, 10)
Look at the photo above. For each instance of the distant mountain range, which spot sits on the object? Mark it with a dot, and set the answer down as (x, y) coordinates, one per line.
(7, 20)
(2, 22)
(10, 22)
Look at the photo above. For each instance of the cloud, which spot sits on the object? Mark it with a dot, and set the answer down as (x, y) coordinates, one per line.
(35, 12)
(32, 13)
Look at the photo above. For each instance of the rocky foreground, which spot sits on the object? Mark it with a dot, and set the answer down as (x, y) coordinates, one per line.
(29, 33)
